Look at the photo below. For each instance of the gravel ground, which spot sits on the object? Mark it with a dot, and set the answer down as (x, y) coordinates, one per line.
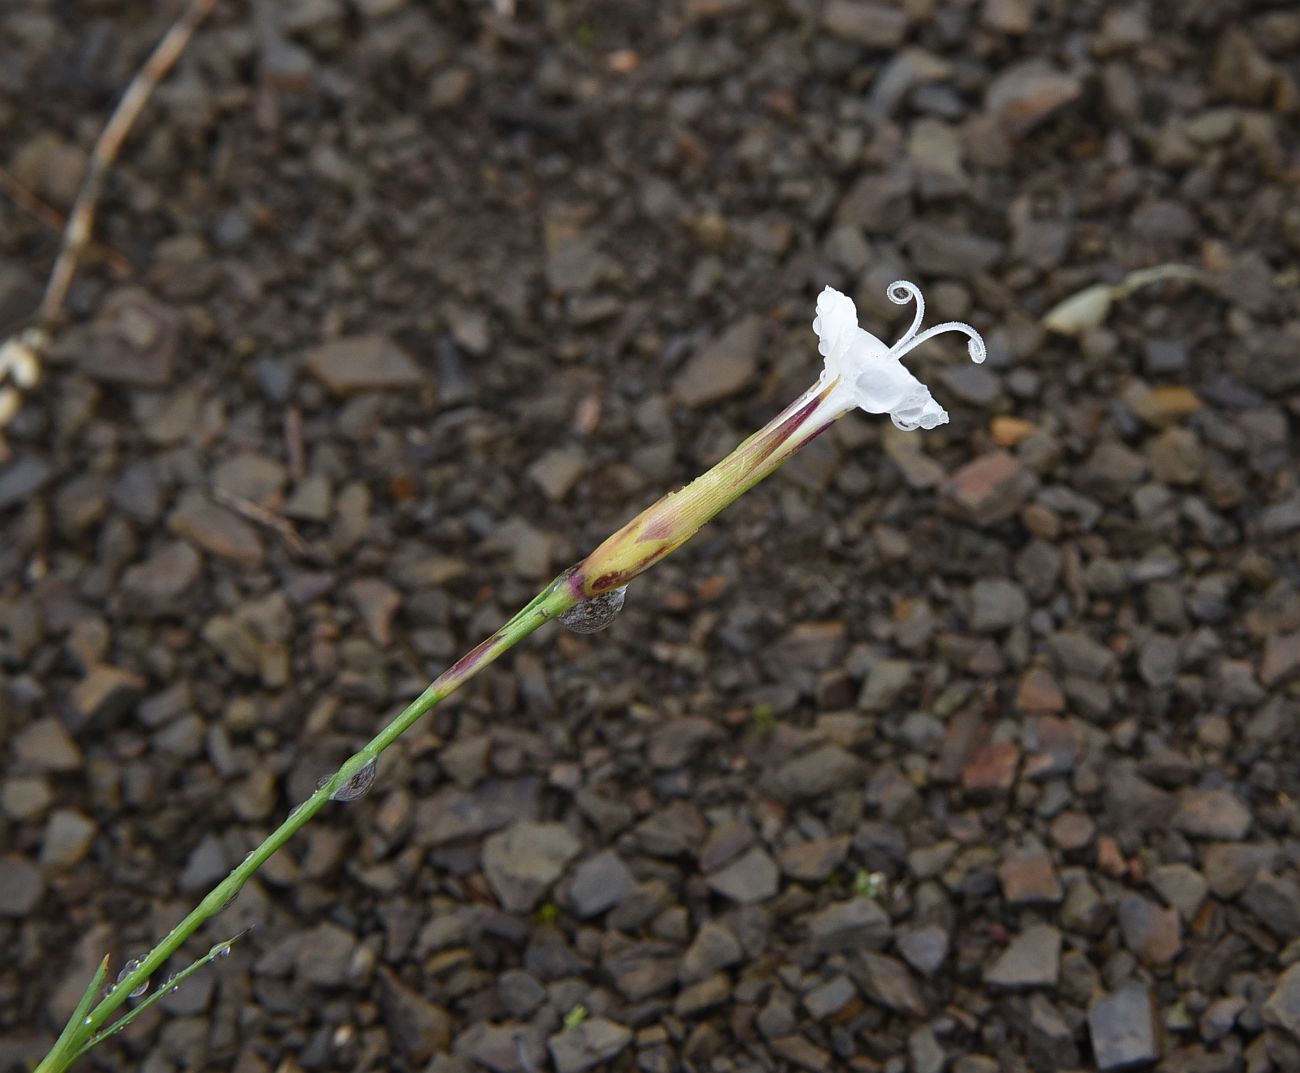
(971, 750)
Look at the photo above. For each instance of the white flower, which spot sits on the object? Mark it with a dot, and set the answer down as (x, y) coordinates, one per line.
(866, 373)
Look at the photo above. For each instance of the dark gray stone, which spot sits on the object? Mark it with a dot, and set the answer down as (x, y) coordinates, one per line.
(751, 877)
(852, 924)
(523, 861)
(1217, 814)
(723, 367)
(325, 955)
(417, 1027)
(713, 950)
(924, 948)
(1123, 1029)
(1031, 959)
(997, 604)
(22, 886)
(1275, 900)
(600, 883)
(1282, 1009)
(588, 1044)
(886, 980)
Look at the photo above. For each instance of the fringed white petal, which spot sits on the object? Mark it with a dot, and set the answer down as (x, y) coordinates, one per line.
(869, 375)
(836, 323)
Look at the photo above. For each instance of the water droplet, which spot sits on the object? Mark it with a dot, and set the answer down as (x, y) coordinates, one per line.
(88, 1020)
(296, 809)
(109, 990)
(596, 613)
(231, 898)
(126, 971)
(220, 950)
(357, 786)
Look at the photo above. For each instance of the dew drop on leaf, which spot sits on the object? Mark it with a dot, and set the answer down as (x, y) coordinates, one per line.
(594, 614)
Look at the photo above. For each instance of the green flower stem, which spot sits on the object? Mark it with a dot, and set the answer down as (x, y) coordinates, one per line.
(551, 602)
(649, 537)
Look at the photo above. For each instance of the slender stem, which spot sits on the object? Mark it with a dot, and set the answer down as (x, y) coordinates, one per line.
(173, 983)
(662, 527)
(550, 603)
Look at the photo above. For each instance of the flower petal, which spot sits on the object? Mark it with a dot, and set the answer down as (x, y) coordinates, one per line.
(836, 323)
(864, 372)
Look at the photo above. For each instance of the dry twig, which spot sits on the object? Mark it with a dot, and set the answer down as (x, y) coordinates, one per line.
(260, 515)
(293, 444)
(56, 221)
(81, 220)
(21, 353)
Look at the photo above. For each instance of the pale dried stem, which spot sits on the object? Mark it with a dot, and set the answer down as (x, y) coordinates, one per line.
(81, 220)
(293, 445)
(56, 221)
(261, 515)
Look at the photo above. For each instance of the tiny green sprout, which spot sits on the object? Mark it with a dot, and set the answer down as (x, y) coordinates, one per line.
(871, 884)
(764, 720)
(575, 1017)
(546, 913)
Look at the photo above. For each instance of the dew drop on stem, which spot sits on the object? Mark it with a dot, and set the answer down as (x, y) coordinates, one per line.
(127, 969)
(357, 786)
(594, 614)
(219, 950)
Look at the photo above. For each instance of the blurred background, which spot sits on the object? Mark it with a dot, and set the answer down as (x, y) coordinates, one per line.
(971, 750)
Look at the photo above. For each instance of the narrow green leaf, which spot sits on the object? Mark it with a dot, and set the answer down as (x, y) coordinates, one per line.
(55, 1059)
(219, 950)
